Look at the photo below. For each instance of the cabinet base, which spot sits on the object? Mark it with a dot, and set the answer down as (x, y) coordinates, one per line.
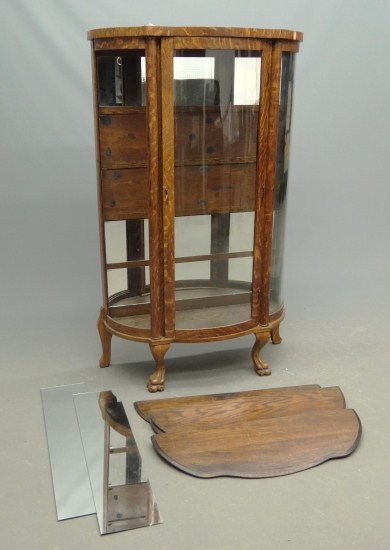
(108, 326)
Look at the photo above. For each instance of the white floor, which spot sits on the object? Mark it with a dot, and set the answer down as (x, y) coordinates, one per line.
(341, 504)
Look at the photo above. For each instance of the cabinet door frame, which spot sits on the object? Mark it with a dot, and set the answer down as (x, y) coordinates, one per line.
(263, 208)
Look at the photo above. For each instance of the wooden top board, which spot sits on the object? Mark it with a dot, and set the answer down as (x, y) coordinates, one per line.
(229, 32)
(146, 408)
(255, 407)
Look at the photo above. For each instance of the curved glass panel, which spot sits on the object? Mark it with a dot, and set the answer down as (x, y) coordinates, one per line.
(283, 146)
(216, 108)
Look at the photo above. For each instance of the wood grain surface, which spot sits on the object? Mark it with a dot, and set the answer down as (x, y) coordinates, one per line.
(152, 30)
(146, 408)
(256, 407)
(262, 448)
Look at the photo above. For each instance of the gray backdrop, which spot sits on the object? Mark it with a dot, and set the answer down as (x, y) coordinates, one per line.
(337, 266)
(338, 223)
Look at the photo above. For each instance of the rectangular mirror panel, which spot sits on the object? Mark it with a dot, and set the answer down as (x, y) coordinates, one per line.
(121, 78)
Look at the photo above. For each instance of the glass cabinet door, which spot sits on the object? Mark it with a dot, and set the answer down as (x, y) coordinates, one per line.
(216, 96)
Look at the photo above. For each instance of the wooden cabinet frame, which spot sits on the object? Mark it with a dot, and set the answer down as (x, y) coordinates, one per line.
(137, 182)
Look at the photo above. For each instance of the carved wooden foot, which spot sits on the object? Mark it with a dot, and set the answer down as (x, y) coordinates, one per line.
(260, 366)
(275, 336)
(105, 338)
(157, 379)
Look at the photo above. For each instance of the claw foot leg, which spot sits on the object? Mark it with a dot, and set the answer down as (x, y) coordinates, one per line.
(157, 379)
(260, 366)
(105, 338)
(275, 336)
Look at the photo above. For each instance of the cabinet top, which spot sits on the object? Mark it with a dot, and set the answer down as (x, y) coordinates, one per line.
(230, 32)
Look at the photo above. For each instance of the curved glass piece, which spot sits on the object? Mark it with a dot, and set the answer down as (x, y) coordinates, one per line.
(216, 107)
(282, 160)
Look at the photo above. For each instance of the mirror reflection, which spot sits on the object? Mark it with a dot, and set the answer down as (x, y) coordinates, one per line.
(122, 79)
(128, 501)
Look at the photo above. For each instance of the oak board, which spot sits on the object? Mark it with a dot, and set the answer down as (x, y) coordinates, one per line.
(262, 448)
(255, 407)
(146, 408)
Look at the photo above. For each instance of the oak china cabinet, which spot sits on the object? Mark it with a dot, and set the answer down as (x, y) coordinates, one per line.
(192, 141)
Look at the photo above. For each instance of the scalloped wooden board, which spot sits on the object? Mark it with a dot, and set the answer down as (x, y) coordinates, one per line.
(262, 448)
(264, 404)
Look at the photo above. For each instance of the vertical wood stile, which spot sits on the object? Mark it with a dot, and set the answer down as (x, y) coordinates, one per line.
(168, 179)
(261, 180)
(103, 259)
(155, 233)
(268, 200)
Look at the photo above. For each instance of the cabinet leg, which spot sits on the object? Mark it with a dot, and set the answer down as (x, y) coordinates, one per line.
(275, 336)
(105, 337)
(260, 366)
(157, 379)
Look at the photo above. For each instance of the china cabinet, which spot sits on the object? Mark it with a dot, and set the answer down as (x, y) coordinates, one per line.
(192, 144)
